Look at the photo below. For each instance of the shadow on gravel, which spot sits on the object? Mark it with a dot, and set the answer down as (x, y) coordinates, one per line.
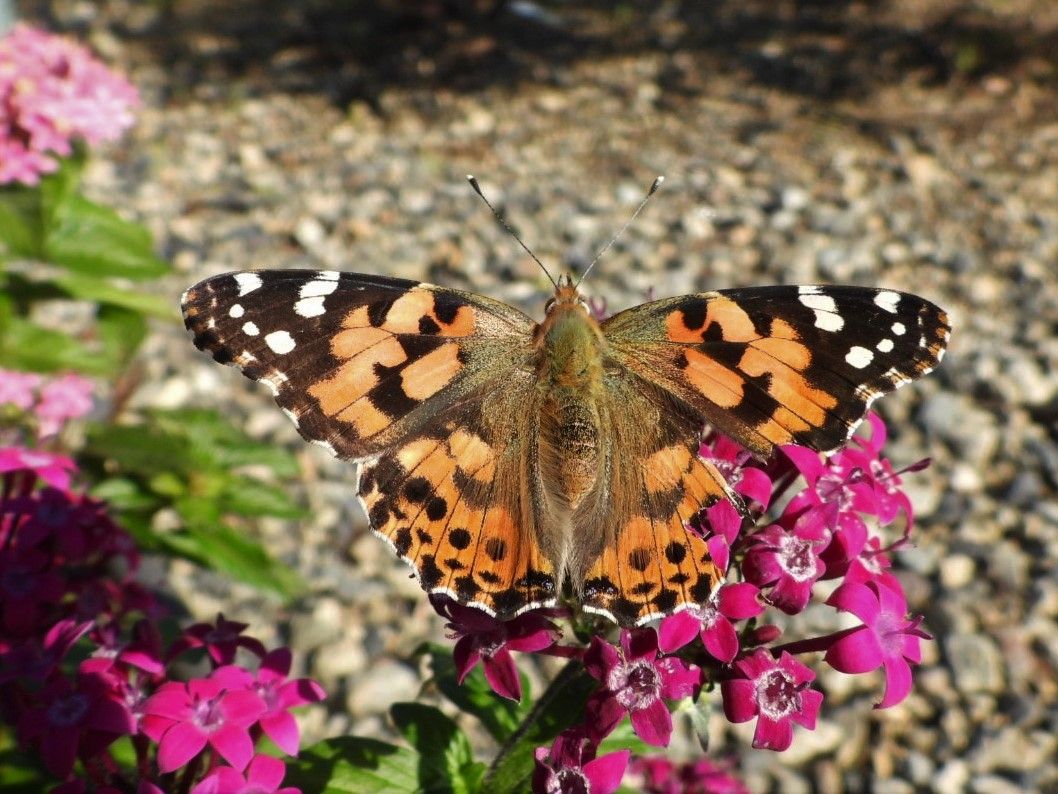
(353, 49)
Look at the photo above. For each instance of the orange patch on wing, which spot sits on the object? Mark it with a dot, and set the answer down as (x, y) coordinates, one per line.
(426, 376)
(355, 378)
(735, 324)
(722, 385)
(354, 341)
(366, 419)
(462, 324)
(787, 351)
(677, 331)
(407, 311)
(474, 456)
(664, 470)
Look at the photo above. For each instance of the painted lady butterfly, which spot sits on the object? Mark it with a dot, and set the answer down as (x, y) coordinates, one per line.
(506, 460)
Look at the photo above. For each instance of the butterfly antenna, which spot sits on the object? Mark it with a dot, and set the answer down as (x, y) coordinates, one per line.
(653, 189)
(477, 189)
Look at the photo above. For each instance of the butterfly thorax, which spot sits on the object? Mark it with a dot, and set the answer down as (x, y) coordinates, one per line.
(570, 382)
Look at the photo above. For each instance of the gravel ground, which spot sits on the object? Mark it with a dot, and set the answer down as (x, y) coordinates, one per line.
(911, 144)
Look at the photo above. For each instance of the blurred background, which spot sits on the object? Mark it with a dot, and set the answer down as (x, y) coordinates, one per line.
(911, 144)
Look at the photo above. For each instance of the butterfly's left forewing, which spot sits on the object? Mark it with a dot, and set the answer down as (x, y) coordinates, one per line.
(426, 387)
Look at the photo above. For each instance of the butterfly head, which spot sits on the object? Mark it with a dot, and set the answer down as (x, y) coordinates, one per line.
(566, 297)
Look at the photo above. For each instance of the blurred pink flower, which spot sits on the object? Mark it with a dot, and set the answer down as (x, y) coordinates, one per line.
(221, 641)
(18, 388)
(659, 775)
(53, 469)
(66, 397)
(54, 91)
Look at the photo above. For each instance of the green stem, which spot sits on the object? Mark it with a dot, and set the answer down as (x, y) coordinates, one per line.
(566, 676)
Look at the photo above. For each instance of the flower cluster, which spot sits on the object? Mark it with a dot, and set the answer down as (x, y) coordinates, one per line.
(822, 531)
(53, 92)
(68, 593)
(46, 403)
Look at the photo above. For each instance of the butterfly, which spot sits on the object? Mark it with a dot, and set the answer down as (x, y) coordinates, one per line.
(511, 462)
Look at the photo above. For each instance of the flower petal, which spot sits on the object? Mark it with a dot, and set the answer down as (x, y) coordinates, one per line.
(772, 734)
(182, 742)
(653, 724)
(856, 652)
(678, 630)
(282, 729)
(721, 640)
(739, 601)
(605, 773)
(233, 744)
(740, 701)
(897, 682)
(502, 675)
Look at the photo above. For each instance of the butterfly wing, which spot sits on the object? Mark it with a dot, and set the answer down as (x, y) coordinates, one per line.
(777, 365)
(406, 378)
(650, 563)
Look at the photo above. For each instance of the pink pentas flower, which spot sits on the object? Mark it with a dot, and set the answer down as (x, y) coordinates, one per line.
(776, 692)
(635, 681)
(485, 639)
(713, 621)
(731, 460)
(143, 651)
(53, 469)
(263, 776)
(18, 388)
(30, 587)
(659, 775)
(64, 398)
(570, 766)
(37, 658)
(786, 562)
(886, 639)
(70, 719)
(720, 525)
(53, 91)
(221, 641)
(278, 694)
(183, 717)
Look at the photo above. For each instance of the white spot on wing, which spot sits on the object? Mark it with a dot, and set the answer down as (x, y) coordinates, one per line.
(293, 417)
(329, 275)
(326, 445)
(824, 308)
(886, 346)
(810, 289)
(815, 300)
(274, 380)
(319, 286)
(247, 282)
(859, 357)
(236, 311)
(250, 328)
(281, 342)
(887, 300)
(309, 307)
(899, 329)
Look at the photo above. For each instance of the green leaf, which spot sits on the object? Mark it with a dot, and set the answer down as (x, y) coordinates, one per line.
(226, 550)
(499, 716)
(89, 238)
(447, 761)
(121, 331)
(355, 765)
(246, 497)
(92, 288)
(140, 449)
(21, 224)
(26, 346)
(125, 495)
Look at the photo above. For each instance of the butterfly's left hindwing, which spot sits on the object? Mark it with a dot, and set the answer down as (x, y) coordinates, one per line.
(769, 366)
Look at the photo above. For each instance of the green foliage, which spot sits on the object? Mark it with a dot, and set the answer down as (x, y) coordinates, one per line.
(198, 467)
(72, 250)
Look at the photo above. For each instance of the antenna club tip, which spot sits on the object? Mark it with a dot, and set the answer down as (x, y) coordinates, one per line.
(657, 183)
(471, 178)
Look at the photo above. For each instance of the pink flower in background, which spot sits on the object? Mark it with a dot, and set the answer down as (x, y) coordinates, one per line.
(183, 718)
(712, 622)
(483, 638)
(53, 469)
(776, 692)
(263, 776)
(67, 397)
(18, 388)
(570, 767)
(221, 641)
(636, 682)
(887, 639)
(53, 91)
(659, 775)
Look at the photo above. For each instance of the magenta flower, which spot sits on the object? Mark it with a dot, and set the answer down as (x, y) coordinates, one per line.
(483, 638)
(731, 461)
(263, 776)
(183, 717)
(658, 775)
(887, 638)
(221, 640)
(786, 561)
(776, 693)
(36, 659)
(70, 720)
(53, 91)
(278, 694)
(570, 767)
(636, 682)
(720, 525)
(19, 388)
(62, 399)
(712, 622)
(53, 469)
